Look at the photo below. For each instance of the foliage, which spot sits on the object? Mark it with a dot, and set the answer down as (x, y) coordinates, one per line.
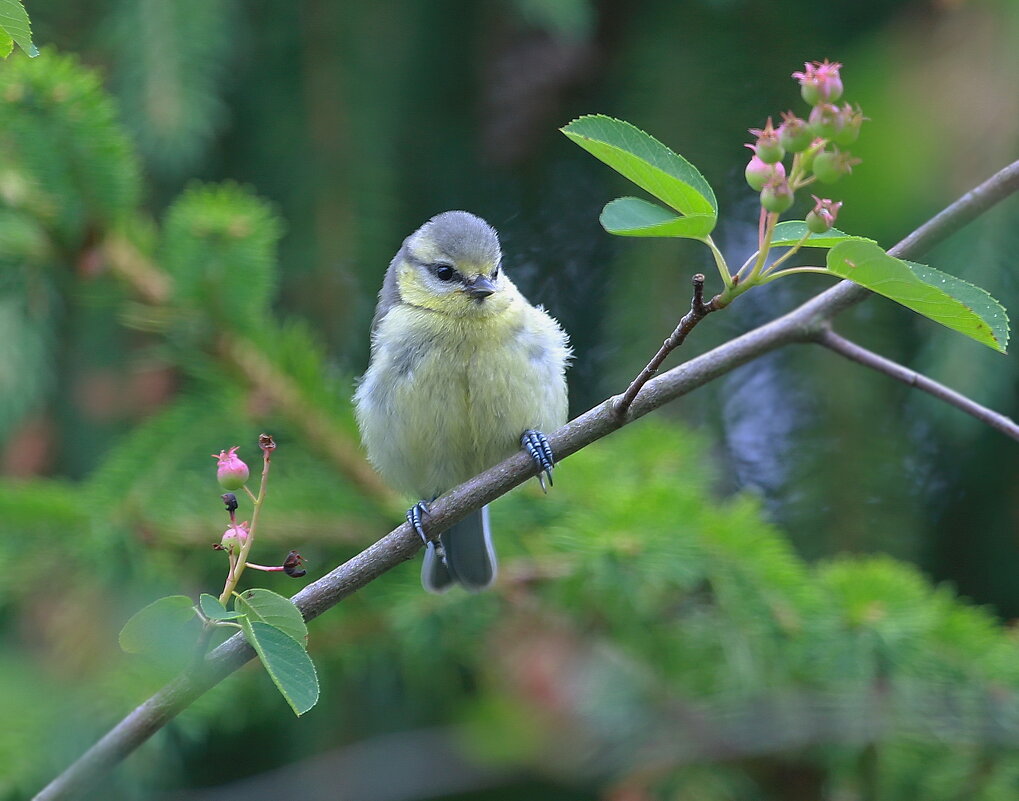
(672, 179)
(170, 61)
(219, 247)
(69, 163)
(15, 28)
(647, 636)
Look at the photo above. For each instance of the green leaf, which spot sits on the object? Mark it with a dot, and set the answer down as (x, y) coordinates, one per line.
(286, 662)
(6, 43)
(14, 22)
(273, 609)
(942, 298)
(972, 296)
(631, 216)
(645, 161)
(789, 233)
(214, 610)
(149, 629)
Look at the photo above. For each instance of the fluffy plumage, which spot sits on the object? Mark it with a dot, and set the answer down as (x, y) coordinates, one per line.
(461, 366)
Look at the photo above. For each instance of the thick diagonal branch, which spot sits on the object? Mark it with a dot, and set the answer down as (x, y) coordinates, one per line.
(803, 324)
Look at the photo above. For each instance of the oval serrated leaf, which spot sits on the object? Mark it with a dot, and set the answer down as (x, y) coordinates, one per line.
(937, 296)
(213, 609)
(152, 628)
(978, 300)
(14, 21)
(645, 161)
(286, 662)
(272, 608)
(790, 232)
(631, 216)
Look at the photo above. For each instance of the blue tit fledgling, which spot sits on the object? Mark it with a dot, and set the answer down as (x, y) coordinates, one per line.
(463, 372)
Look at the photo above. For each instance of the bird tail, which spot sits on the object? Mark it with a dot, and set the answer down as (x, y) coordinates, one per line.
(469, 556)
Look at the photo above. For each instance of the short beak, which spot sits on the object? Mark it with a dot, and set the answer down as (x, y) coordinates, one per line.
(480, 288)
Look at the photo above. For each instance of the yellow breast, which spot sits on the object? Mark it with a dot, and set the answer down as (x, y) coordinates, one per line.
(445, 397)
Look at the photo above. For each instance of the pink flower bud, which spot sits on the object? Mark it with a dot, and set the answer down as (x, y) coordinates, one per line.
(768, 148)
(822, 217)
(825, 121)
(851, 122)
(777, 196)
(231, 472)
(831, 165)
(234, 537)
(820, 82)
(758, 173)
(793, 133)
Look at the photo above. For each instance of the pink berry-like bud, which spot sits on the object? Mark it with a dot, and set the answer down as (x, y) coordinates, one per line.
(831, 165)
(822, 217)
(758, 173)
(825, 121)
(777, 196)
(234, 537)
(851, 122)
(768, 147)
(820, 82)
(793, 133)
(231, 472)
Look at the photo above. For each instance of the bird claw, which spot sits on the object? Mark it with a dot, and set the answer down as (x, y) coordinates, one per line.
(536, 445)
(414, 515)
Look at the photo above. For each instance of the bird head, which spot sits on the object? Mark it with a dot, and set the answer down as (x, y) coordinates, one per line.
(452, 265)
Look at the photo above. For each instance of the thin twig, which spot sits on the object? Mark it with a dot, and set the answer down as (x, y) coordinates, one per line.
(867, 358)
(803, 324)
(698, 311)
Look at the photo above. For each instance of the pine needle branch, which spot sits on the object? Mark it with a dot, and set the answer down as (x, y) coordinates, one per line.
(154, 286)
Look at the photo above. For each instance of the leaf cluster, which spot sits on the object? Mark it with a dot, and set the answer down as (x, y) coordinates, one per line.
(270, 622)
(694, 213)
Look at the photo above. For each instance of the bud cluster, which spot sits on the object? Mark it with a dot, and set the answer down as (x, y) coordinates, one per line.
(233, 474)
(817, 145)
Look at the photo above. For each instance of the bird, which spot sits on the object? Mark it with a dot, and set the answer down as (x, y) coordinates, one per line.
(463, 371)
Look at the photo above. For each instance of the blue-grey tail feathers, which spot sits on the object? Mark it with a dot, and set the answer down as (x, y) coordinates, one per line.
(469, 556)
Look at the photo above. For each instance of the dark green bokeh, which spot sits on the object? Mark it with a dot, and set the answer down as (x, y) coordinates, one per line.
(357, 121)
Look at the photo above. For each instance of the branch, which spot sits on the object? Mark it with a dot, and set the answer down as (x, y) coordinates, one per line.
(911, 378)
(698, 311)
(803, 324)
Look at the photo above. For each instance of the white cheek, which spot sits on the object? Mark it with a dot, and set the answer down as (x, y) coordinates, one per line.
(433, 284)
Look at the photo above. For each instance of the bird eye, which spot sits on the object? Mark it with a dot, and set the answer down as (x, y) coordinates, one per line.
(444, 272)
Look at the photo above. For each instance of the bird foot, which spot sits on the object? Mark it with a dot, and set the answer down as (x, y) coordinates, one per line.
(414, 515)
(536, 445)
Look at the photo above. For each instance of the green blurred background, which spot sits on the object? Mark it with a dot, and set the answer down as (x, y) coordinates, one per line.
(702, 608)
